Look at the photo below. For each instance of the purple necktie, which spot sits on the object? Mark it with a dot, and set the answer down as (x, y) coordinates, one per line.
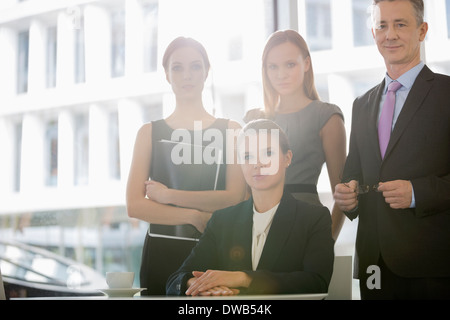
(387, 113)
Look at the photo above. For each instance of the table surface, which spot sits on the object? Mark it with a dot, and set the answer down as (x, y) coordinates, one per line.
(319, 296)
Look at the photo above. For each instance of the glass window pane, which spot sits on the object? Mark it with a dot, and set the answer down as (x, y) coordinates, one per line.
(17, 155)
(236, 46)
(150, 30)
(51, 149)
(79, 66)
(152, 111)
(318, 24)
(22, 61)
(118, 43)
(114, 146)
(362, 35)
(447, 3)
(269, 17)
(81, 152)
(51, 57)
(233, 105)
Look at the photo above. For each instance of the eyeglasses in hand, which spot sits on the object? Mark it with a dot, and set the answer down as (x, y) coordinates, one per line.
(364, 188)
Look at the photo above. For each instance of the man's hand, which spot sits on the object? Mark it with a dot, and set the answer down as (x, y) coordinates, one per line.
(398, 193)
(346, 195)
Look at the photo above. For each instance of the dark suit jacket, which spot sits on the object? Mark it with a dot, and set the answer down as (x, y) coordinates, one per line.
(297, 258)
(413, 242)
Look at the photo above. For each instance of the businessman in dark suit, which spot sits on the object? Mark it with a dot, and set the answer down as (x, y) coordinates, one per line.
(404, 206)
(269, 244)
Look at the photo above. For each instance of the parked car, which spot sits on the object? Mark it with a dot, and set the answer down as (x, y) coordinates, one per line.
(29, 271)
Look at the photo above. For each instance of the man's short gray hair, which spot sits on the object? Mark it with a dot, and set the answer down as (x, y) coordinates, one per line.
(418, 6)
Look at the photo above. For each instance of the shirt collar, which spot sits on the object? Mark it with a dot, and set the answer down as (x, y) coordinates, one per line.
(407, 79)
(261, 221)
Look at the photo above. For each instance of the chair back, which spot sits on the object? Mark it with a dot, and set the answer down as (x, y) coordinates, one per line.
(340, 287)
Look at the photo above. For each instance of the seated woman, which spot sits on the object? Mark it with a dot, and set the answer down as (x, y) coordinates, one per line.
(269, 244)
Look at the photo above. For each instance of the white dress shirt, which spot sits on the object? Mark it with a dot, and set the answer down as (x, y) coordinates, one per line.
(261, 225)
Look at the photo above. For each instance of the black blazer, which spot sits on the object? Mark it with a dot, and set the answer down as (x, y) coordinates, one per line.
(413, 242)
(297, 258)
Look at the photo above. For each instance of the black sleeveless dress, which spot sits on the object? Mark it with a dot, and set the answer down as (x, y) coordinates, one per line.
(177, 166)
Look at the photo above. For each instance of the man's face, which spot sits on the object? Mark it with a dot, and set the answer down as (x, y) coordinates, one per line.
(397, 33)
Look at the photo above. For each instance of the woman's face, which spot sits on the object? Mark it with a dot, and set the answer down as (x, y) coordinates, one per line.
(186, 72)
(263, 162)
(286, 68)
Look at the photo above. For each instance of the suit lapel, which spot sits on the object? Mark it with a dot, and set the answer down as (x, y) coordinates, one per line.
(279, 232)
(242, 239)
(415, 98)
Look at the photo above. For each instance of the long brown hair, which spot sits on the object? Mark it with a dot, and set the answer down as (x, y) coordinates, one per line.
(271, 96)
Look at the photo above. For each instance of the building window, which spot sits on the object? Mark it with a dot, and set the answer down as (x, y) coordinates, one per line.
(117, 43)
(236, 48)
(361, 31)
(17, 153)
(447, 4)
(318, 24)
(80, 73)
(152, 111)
(81, 154)
(322, 88)
(114, 146)
(232, 105)
(270, 20)
(22, 61)
(51, 153)
(51, 57)
(150, 25)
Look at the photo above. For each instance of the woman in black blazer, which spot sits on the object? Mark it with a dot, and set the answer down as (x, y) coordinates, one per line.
(269, 244)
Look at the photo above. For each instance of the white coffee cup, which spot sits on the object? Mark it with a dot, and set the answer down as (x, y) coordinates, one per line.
(116, 280)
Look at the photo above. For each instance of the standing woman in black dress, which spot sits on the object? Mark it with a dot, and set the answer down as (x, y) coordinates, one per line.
(177, 216)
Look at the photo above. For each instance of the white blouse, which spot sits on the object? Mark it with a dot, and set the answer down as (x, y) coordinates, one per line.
(261, 225)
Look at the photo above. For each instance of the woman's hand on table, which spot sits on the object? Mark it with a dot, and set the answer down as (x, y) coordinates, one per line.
(216, 282)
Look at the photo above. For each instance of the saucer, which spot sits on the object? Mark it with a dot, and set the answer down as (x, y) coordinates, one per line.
(121, 292)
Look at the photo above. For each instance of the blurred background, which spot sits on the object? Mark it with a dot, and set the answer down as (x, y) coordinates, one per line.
(79, 77)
